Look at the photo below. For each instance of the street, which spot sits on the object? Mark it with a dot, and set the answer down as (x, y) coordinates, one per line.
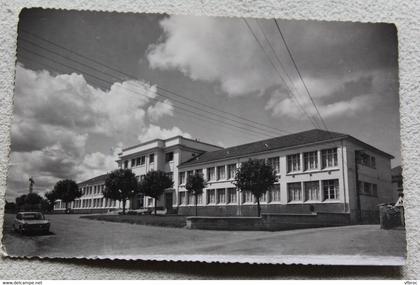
(72, 236)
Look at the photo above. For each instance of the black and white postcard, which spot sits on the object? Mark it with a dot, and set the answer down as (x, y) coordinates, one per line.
(195, 138)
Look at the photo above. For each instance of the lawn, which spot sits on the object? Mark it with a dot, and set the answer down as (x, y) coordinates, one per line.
(152, 220)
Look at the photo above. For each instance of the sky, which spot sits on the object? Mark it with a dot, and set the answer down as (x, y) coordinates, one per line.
(91, 83)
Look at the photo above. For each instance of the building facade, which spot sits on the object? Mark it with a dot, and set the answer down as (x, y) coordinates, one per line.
(317, 171)
(165, 155)
(92, 199)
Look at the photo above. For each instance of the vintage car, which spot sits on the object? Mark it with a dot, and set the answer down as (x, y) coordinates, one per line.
(26, 222)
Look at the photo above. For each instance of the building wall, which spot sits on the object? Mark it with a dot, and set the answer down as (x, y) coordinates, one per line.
(339, 204)
(379, 175)
(182, 149)
(91, 201)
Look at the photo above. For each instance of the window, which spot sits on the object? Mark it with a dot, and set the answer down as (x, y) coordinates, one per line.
(311, 191)
(190, 198)
(190, 173)
(200, 199)
(231, 195)
(375, 190)
(366, 160)
(221, 172)
(294, 191)
(140, 160)
(231, 171)
(170, 175)
(126, 164)
(274, 162)
(182, 178)
(149, 202)
(151, 158)
(274, 193)
(293, 163)
(210, 174)
(211, 196)
(366, 188)
(264, 197)
(373, 162)
(182, 198)
(221, 196)
(247, 197)
(329, 157)
(199, 172)
(310, 160)
(169, 156)
(330, 189)
(133, 162)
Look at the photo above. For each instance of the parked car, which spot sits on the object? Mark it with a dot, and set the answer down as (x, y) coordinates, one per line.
(26, 222)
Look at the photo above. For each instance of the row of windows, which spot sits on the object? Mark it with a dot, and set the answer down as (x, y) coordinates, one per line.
(370, 189)
(94, 203)
(367, 160)
(92, 190)
(139, 161)
(310, 160)
(141, 177)
(310, 190)
(228, 196)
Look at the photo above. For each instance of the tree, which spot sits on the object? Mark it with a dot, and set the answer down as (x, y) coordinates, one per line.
(20, 202)
(195, 185)
(256, 177)
(10, 207)
(50, 197)
(121, 185)
(154, 184)
(28, 202)
(67, 191)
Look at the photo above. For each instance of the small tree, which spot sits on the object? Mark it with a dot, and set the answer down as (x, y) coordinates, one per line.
(28, 202)
(195, 185)
(154, 184)
(20, 202)
(256, 177)
(121, 185)
(67, 191)
(50, 197)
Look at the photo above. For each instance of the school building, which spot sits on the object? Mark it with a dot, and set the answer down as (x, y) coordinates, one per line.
(318, 171)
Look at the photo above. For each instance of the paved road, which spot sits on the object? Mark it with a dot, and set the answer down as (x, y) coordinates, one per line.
(74, 237)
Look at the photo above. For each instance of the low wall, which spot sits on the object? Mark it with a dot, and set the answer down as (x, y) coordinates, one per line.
(269, 222)
(251, 210)
(82, 211)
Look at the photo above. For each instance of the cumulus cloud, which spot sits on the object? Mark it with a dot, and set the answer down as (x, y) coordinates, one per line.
(333, 99)
(212, 49)
(222, 50)
(160, 109)
(156, 132)
(54, 117)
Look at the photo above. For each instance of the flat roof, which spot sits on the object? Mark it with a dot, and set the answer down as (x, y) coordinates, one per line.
(168, 139)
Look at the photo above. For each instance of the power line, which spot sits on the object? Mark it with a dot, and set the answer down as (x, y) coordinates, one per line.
(290, 94)
(183, 103)
(157, 86)
(276, 56)
(200, 116)
(300, 76)
(101, 85)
